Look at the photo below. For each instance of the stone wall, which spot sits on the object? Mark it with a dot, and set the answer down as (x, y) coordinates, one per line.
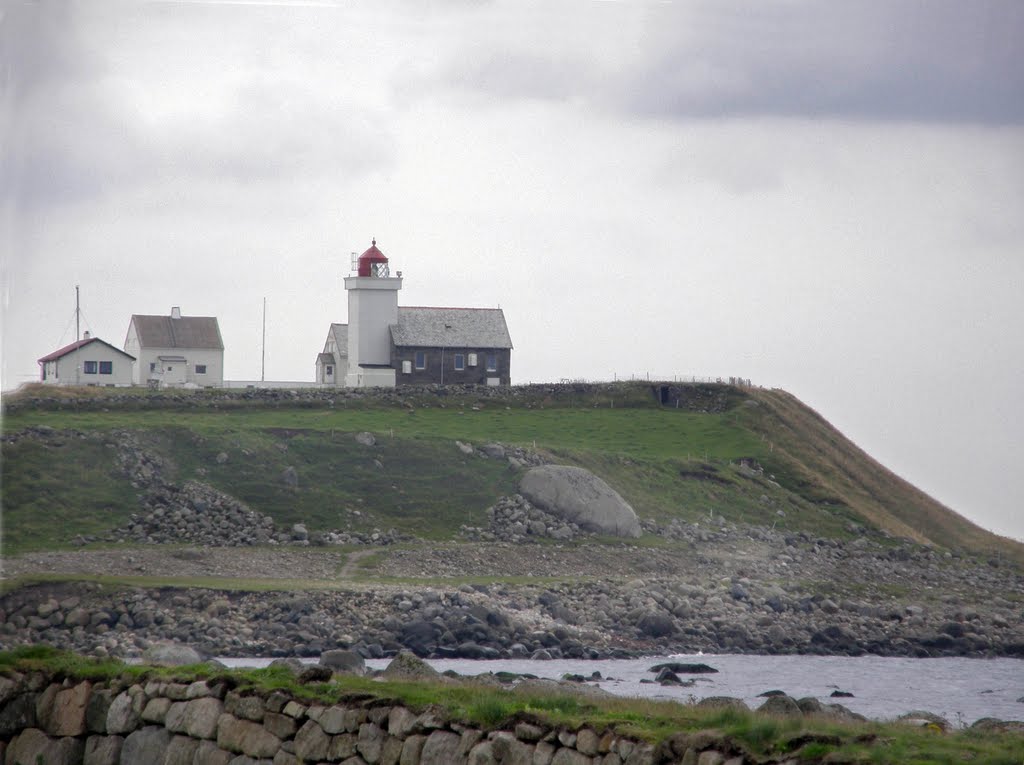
(154, 722)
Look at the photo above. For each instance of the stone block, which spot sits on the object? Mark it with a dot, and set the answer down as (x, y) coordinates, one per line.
(311, 743)
(201, 717)
(567, 756)
(342, 747)
(442, 748)
(181, 751)
(401, 722)
(280, 725)
(102, 750)
(245, 737)
(369, 742)
(208, 753)
(412, 748)
(587, 741)
(33, 745)
(125, 713)
(155, 710)
(145, 746)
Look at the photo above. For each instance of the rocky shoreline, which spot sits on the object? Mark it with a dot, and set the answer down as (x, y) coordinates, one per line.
(724, 590)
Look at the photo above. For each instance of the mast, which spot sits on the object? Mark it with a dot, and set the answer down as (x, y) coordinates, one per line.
(78, 335)
(263, 367)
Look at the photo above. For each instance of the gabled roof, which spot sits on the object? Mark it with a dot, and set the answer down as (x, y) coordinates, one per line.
(325, 358)
(186, 332)
(340, 334)
(80, 344)
(451, 328)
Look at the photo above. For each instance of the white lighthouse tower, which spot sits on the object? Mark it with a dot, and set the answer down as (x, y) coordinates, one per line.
(372, 309)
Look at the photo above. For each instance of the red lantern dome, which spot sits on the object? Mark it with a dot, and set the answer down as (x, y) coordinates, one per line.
(373, 263)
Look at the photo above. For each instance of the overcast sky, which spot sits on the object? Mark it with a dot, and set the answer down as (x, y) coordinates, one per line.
(822, 197)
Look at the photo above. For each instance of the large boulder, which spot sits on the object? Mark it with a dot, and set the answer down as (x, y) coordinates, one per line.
(579, 496)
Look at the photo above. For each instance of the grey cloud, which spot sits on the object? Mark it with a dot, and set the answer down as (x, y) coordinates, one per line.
(75, 134)
(942, 61)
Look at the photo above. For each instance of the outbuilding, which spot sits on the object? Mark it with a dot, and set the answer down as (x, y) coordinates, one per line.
(89, 361)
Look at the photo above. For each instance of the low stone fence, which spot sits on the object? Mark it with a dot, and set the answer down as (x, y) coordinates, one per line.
(78, 722)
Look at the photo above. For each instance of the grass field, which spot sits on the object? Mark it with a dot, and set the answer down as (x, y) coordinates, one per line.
(667, 462)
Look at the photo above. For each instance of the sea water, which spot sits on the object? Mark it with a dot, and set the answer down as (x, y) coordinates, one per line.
(960, 690)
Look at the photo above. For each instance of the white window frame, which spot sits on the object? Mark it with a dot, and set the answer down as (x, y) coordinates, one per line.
(492, 362)
(406, 367)
(471, 361)
(421, 365)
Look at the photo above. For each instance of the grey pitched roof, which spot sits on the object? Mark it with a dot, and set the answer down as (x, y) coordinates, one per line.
(325, 358)
(451, 328)
(340, 333)
(186, 332)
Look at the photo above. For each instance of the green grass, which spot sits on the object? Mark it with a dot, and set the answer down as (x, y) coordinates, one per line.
(53, 493)
(808, 739)
(668, 463)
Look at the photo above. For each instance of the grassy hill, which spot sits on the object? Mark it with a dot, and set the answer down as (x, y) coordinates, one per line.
(684, 451)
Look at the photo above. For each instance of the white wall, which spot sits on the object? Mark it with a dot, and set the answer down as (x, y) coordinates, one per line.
(70, 369)
(372, 308)
(213, 359)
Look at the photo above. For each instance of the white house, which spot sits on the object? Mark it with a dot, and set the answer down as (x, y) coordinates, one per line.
(89, 361)
(384, 345)
(176, 350)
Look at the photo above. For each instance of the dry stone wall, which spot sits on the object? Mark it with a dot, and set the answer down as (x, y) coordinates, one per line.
(164, 722)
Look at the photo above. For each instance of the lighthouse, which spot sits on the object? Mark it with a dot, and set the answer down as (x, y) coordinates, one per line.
(372, 310)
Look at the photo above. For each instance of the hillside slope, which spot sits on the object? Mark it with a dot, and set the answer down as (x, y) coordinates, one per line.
(676, 452)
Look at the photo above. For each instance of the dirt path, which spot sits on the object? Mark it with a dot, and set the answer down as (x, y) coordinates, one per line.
(353, 561)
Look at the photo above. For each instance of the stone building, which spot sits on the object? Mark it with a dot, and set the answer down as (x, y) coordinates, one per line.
(385, 345)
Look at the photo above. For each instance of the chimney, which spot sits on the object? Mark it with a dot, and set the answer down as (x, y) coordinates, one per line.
(87, 335)
(176, 312)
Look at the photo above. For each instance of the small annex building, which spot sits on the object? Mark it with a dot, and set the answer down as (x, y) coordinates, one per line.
(89, 361)
(386, 345)
(176, 350)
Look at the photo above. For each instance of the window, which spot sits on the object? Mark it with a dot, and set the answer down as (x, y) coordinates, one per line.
(421, 360)
(492, 362)
(152, 366)
(460, 362)
(406, 367)
(200, 369)
(90, 367)
(106, 367)
(472, 359)
(329, 369)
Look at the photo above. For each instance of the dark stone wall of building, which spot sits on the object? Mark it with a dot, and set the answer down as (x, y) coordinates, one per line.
(433, 373)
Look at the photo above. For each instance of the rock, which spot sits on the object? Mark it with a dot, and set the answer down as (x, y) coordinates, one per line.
(442, 748)
(995, 724)
(408, 666)
(170, 654)
(246, 737)
(124, 713)
(656, 625)
(103, 750)
(683, 669)
(366, 439)
(921, 719)
(290, 477)
(34, 746)
(346, 662)
(493, 451)
(780, 705)
(311, 743)
(723, 702)
(68, 716)
(579, 496)
(146, 745)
